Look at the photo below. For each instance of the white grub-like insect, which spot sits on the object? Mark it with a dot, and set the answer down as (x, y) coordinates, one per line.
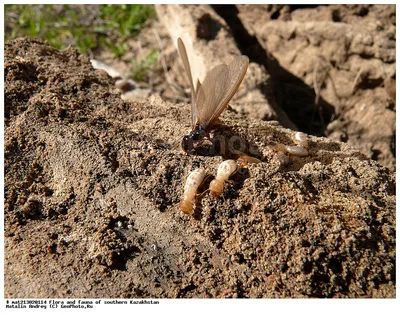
(225, 169)
(299, 150)
(193, 182)
(280, 148)
(301, 139)
(210, 98)
(296, 150)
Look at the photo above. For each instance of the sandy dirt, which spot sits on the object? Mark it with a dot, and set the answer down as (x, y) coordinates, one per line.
(93, 184)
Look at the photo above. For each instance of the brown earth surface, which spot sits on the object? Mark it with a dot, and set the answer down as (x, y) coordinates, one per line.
(93, 184)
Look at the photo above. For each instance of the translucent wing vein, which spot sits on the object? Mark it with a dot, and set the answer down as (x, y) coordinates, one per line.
(185, 60)
(220, 84)
(236, 72)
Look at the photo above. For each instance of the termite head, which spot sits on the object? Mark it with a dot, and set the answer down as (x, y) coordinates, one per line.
(187, 144)
(189, 140)
(216, 187)
(186, 207)
(246, 159)
(225, 169)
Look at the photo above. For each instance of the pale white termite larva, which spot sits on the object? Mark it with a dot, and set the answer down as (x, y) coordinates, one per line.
(225, 169)
(301, 150)
(301, 139)
(297, 150)
(193, 182)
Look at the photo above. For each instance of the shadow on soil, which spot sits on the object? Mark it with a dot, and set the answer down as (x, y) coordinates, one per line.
(289, 92)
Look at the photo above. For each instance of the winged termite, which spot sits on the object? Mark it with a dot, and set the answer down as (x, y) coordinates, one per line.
(210, 98)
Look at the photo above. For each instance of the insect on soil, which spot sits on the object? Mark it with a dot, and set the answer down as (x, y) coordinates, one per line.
(210, 98)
